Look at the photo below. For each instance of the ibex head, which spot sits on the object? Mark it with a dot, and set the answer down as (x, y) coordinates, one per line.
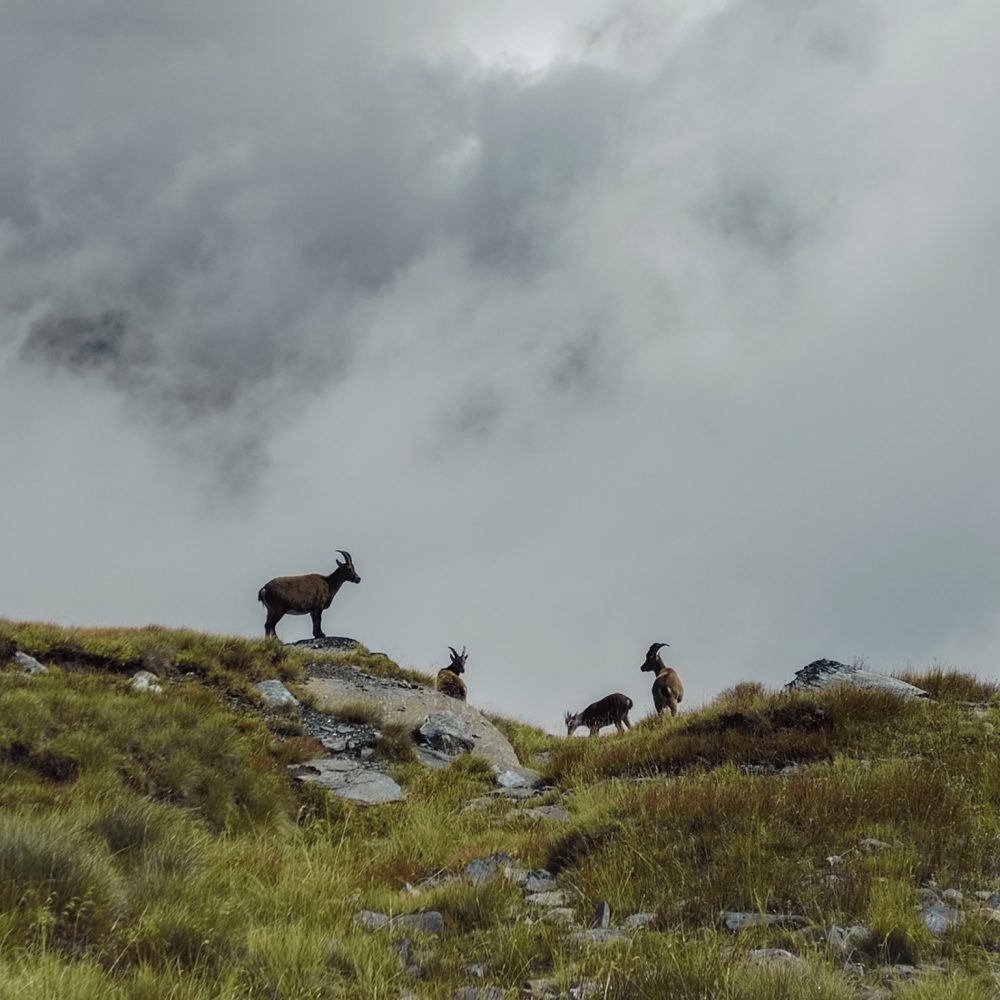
(457, 665)
(572, 721)
(348, 566)
(653, 661)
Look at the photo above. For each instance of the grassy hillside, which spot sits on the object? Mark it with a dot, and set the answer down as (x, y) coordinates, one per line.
(151, 846)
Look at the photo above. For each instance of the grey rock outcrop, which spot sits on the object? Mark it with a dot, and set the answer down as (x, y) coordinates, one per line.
(332, 685)
(446, 732)
(29, 664)
(825, 673)
(350, 779)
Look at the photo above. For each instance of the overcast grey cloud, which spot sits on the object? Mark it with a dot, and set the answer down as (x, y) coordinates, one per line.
(580, 327)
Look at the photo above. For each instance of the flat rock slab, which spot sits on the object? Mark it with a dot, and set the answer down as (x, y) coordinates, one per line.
(407, 703)
(826, 673)
(350, 779)
(276, 695)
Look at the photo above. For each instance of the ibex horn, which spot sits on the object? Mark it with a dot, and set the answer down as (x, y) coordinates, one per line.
(346, 555)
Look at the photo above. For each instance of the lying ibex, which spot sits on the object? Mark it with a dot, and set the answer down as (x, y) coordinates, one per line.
(668, 691)
(448, 682)
(610, 711)
(311, 594)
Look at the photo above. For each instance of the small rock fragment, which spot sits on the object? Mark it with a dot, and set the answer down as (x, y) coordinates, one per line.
(371, 920)
(29, 664)
(275, 695)
(602, 915)
(426, 922)
(146, 681)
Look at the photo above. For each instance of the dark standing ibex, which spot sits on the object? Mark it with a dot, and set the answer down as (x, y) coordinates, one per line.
(448, 682)
(311, 594)
(668, 691)
(610, 711)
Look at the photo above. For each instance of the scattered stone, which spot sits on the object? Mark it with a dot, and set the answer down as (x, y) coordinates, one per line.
(512, 779)
(599, 935)
(834, 859)
(477, 970)
(553, 813)
(557, 897)
(29, 664)
(371, 920)
(478, 803)
(825, 673)
(561, 915)
(939, 919)
(735, 920)
(478, 870)
(871, 844)
(350, 779)
(277, 696)
(540, 881)
(845, 941)
(146, 681)
(602, 915)
(772, 956)
(639, 921)
(426, 922)
(952, 896)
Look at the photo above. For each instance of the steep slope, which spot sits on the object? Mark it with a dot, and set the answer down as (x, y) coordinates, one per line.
(822, 844)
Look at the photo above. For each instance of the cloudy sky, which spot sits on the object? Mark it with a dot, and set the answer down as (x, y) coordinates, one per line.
(582, 325)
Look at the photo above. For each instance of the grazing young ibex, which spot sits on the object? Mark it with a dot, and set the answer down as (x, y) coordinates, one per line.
(311, 594)
(610, 711)
(668, 691)
(448, 682)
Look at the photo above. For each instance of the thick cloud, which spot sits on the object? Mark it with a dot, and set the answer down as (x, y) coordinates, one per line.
(580, 327)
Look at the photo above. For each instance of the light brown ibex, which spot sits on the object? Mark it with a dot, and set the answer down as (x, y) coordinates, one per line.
(668, 691)
(311, 594)
(610, 711)
(448, 682)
